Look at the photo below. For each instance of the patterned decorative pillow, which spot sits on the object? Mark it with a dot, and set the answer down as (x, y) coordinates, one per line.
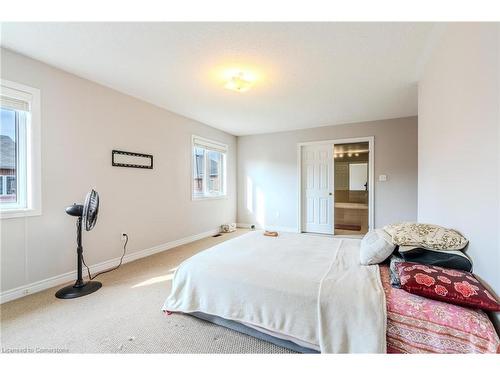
(428, 236)
(447, 285)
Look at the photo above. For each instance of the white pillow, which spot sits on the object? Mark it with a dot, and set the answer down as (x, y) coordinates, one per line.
(376, 246)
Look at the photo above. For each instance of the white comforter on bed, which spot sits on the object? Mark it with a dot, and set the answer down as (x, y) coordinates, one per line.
(308, 287)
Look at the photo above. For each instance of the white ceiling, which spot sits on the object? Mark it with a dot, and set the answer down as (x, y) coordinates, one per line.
(311, 74)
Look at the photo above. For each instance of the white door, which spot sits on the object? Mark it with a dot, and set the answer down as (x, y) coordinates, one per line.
(317, 189)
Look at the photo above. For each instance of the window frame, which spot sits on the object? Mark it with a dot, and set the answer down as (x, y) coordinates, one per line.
(29, 152)
(215, 146)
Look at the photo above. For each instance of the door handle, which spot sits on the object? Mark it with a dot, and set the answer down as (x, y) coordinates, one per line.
(330, 194)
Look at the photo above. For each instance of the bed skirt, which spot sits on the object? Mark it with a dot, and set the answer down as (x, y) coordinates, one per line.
(239, 327)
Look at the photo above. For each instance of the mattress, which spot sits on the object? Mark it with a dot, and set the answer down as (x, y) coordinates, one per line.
(309, 288)
(414, 325)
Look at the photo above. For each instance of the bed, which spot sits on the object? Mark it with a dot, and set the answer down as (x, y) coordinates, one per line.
(308, 293)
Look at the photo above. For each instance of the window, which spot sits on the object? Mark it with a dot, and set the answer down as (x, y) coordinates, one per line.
(19, 150)
(209, 169)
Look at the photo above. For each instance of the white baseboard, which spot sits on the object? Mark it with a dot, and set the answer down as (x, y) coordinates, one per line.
(67, 277)
(268, 227)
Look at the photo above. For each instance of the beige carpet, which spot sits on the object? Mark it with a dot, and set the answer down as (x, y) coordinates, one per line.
(123, 316)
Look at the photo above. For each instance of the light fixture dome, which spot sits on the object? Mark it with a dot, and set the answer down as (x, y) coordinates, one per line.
(239, 82)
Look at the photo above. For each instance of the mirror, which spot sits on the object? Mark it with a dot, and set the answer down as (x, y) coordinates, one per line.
(358, 177)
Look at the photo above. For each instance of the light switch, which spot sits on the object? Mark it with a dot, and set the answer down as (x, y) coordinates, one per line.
(382, 177)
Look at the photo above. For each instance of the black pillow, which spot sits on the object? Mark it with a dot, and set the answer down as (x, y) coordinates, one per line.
(454, 259)
(394, 272)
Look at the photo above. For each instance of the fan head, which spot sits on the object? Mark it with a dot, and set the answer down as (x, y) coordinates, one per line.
(75, 210)
(90, 210)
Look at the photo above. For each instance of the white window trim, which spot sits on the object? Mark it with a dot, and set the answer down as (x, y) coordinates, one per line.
(33, 155)
(219, 147)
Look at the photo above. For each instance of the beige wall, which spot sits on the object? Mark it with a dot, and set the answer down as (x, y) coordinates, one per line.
(269, 161)
(81, 123)
(459, 144)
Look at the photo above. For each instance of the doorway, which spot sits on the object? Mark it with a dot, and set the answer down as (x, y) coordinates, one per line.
(336, 186)
(350, 165)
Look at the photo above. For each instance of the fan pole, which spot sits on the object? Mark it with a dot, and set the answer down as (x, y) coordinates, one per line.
(79, 288)
(79, 250)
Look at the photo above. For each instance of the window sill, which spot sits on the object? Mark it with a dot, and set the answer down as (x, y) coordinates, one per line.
(205, 198)
(19, 212)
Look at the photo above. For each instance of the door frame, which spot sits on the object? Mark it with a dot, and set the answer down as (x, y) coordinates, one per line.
(371, 177)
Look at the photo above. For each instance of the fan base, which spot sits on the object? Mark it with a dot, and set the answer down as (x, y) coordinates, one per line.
(72, 292)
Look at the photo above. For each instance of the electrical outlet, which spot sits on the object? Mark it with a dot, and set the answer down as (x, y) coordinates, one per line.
(124, 236)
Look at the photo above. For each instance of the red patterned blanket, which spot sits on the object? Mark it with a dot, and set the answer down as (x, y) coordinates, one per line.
(420, 325)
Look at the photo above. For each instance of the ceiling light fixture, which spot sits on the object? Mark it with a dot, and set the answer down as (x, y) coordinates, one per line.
(239, 82)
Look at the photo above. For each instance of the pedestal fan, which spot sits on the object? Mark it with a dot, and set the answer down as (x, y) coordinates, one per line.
(87, 216)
